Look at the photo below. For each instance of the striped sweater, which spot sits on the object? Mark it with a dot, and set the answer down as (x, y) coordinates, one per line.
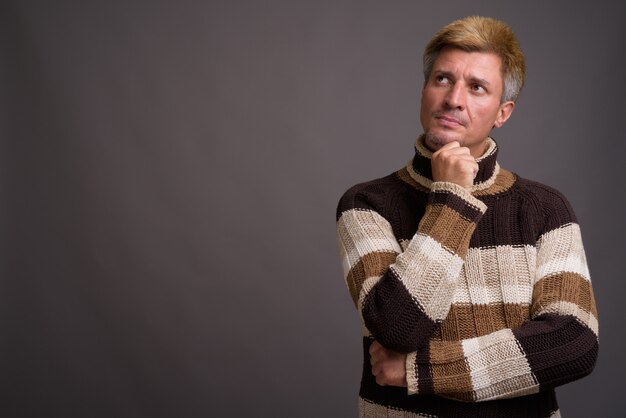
(487, 290)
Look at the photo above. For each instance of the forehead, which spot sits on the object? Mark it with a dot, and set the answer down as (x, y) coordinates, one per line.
(484, 65)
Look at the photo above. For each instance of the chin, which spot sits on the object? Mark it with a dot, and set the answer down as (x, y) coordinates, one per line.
(434, 141)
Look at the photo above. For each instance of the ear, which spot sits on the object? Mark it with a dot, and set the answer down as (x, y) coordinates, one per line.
(504, 113)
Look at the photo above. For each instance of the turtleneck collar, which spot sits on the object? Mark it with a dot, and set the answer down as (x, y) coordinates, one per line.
(420, 167)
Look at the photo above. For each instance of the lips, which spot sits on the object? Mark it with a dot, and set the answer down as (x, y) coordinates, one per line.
(447, 120)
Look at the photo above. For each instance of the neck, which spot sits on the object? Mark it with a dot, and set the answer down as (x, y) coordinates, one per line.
(420, 167)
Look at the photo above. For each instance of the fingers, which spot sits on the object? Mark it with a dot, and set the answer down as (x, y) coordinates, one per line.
(374, 351)
(378, 355)
(376, 361)
(452, 148)
(388, 367)
(454, 163)
(375, 347)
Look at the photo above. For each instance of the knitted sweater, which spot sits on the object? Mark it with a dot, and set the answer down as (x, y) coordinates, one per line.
(487, 290)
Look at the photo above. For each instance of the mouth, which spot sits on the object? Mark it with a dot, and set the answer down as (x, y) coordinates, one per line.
(448, 120)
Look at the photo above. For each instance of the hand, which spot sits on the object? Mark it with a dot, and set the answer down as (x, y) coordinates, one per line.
(388, 366)
(454, 163)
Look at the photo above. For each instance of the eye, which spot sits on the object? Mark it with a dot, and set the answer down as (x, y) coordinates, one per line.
(477, 88)
(442, 79)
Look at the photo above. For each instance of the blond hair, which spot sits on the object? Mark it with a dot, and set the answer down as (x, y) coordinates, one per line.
(482, 34)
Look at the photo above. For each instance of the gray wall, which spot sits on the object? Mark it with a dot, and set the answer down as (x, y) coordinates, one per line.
(168, 179)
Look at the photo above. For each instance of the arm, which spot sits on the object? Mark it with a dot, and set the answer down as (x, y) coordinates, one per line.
(403, 295)
(558, 345)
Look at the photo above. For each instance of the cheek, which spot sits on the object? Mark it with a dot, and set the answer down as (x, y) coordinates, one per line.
(424, 108)
(428, 102)
(484, 113)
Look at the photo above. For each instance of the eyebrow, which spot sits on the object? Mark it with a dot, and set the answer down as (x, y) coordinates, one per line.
(476, 80)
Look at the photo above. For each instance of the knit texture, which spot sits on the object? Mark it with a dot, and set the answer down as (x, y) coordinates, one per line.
(487, 291)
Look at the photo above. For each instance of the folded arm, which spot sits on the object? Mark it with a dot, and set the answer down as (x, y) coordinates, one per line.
(558, 345)
(402, 294)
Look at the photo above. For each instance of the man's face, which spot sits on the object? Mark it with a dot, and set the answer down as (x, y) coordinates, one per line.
(461, 100)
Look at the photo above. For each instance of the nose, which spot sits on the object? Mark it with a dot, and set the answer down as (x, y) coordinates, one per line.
(455, 97)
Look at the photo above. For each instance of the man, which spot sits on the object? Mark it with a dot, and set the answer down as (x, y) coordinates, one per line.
(471, 282)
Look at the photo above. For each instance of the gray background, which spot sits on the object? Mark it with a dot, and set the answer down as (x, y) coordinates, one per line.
(168, 179)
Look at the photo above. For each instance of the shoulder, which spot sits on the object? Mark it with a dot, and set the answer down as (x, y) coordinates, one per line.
(372, 195)
(550, 203)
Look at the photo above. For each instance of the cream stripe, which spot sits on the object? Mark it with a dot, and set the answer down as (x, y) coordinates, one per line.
(497, 275)
(461, 192)
(411, 373)
(429, 272)
(368, 284)
(424, 181)
(498, 367)
(362, 232)
(487, 183)
(574, 264)
(368, 409)
(421, 149)
(561, 250)
(569, 308)
(508, 388)
(491, 148)
(520, 294)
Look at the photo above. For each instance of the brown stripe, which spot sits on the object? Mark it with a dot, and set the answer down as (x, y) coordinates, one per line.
(569, 353)
(370, 265)
(469, 321)
(403, 174)
(447, 227)
(566, 287)
(456, 202)
(450, 372)
(504, 181)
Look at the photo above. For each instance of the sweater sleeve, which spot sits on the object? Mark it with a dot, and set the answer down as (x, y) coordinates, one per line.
(558, 345)
(403, 294)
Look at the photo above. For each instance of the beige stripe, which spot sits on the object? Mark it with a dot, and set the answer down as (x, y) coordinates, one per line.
(564, 287)
(368, 409)
(471, 321)
(561, 250)
(362, 232)
(498, 367)
(476, 188)
(411, 373)
(430, 273)
(447, 227)
(567, 308)
(497, 275)
(421, 149)
(512, 387)
(491, 147)
(428, 270)
(449, 370)
(423, 181)
(461, 192)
